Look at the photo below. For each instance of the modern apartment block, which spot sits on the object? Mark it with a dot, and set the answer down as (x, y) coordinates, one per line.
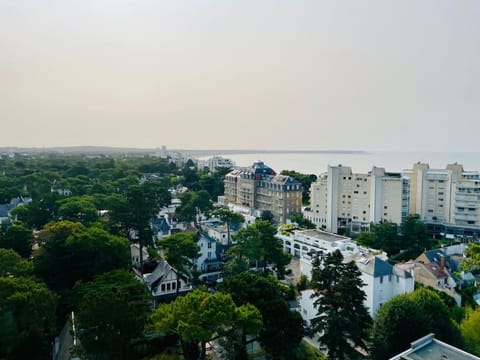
(342, 201)
(448, 200)
(259, 187)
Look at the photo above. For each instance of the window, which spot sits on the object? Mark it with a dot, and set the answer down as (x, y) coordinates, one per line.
(210, 244)
(168, 286)
(163, 287)
(174, 286)
(381, 279)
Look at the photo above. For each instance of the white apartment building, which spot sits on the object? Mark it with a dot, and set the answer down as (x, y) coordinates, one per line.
(342, 201)
(449, 196)
(382, 282)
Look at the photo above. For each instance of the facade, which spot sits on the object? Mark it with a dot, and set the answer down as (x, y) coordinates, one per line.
(382, 282)
(448, 200)
(342, 201)
(215, 162)
(207, 261)
(260, 188)
(162, 282)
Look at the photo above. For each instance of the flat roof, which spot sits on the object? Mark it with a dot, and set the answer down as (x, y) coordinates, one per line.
(323, 235)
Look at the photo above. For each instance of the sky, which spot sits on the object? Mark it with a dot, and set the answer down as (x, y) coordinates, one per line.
(244, 74)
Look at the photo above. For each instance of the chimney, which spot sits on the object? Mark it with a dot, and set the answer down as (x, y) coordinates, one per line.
(442, 262)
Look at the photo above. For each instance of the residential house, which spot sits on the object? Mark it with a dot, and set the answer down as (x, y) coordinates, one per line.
(436, 268)
(5, 209)
(208, 260)
(135, 255)
(382, 280)
(429, 348)
(162, 282)
(161, 227)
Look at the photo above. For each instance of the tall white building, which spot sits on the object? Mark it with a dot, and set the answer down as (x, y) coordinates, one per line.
(449, 196)
(343, 201)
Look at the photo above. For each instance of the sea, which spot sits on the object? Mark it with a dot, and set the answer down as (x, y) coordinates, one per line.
(360, 162)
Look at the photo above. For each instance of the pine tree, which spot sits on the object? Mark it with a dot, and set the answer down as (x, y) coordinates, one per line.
(342, 319)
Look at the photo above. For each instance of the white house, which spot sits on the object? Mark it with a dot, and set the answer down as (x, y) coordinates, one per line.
(162, 282)
(135, 255)
(382, 280)
(308, 244)
(207, 261)
(306, 307)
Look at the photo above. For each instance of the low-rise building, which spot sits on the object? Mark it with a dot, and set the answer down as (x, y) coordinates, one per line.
(429, 348)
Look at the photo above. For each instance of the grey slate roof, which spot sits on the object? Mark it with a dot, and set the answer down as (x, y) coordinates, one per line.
(4, 210)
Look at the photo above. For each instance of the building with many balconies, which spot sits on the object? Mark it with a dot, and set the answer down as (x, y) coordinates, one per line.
(448, 200)
(259, 188)
(342, 201)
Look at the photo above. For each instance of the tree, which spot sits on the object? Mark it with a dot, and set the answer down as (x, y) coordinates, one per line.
(111, 311)
(472, 261)
(470, 328)
(180, 250)
(305, 179)
(414, 234)
(342, 319)
(78, 208)
(39, 212)
(192, 202)
(383, 235)
(301, 221)
(19, 238)
(200, 316)
(267, 215)
(12, 264)
(258, 242)
(282, 329)
(72, 252)
(405, 318)
(229, 217)
(27, 319)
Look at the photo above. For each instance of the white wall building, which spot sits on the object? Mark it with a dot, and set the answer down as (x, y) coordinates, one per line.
(343, 201)
(449, 196)
(382, 280)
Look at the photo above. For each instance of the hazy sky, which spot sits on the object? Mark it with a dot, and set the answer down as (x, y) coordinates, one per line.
(273, 74)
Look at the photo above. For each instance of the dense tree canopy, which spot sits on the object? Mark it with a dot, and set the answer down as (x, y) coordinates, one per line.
(282, 329)
(72, 252)
(19, 238)
(383, 235)
(12, 264)
(258, 243)
(470, 328)
(111, 311)
(406, 318)
(27, 318)
(199, 316)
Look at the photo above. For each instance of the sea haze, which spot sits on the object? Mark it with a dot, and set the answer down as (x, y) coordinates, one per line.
(359, 161)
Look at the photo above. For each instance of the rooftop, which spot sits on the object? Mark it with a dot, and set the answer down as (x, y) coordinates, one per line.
(322, 235)
(430, 348)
